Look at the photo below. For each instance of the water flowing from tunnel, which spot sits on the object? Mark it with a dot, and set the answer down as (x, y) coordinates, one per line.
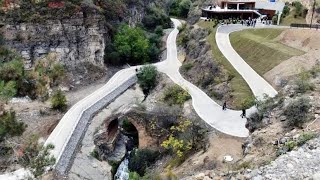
(123, 170)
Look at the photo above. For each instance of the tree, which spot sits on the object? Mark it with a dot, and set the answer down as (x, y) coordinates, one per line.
(12, 71)
(147, 78)
(184, 7)
(132, 45)
(7, 90)
(9, 126)
(59, 101)
(286, 10)
(297, 112)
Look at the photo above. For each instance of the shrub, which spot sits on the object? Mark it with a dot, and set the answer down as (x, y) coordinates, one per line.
(175, 95)
(247, 102)
(114, 166)
(303, 84)
(304, 137)
(9, 126)
(297, 112)
(291, 145)
(141, 159)
(187, 66)
(11, 71)
(59, 101)
(37, 157)
(56, 73)
(147, 78)
(159, 30)
(7, 90)
(155, 17)
(286, 10)
(94, 153)
(180, 8)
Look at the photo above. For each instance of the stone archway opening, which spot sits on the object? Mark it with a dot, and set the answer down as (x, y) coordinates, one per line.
(131, 131)
(112, 129)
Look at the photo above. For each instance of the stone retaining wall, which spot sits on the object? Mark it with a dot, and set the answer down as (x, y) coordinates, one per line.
(69, 152)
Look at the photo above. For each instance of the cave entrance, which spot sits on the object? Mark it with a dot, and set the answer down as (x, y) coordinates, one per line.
(113, 129)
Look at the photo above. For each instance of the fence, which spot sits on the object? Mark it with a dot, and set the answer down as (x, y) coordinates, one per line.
(314, 26)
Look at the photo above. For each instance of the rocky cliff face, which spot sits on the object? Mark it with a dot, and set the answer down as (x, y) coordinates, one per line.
(72, 40)
(80, 38)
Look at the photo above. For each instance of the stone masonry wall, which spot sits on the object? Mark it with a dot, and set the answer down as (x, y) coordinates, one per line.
(68, 154)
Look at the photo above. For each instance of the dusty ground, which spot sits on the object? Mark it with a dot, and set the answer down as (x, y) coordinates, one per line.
(304, 39)
(220, 145)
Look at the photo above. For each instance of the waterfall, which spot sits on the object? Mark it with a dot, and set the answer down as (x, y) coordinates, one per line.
(122, 171)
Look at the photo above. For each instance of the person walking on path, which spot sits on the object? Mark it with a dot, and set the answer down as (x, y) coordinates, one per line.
(224, 106)
(243, 113)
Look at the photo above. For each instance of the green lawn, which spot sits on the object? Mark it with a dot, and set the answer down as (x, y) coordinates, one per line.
(261, 49)
(290, 19)
(240, 89)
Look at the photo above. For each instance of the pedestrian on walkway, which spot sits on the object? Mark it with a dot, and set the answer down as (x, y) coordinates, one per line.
(224, 106)
(243, 113)
(242, 22)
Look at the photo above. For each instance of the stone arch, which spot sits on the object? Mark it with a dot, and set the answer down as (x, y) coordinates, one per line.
(145, 140)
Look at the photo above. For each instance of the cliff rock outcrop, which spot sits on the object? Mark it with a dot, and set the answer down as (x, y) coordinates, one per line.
(79, 38)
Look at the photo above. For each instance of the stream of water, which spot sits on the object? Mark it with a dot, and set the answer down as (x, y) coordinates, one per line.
(122, 171)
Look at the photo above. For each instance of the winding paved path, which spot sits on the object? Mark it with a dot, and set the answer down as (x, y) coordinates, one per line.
(258, 85)
(228, 122)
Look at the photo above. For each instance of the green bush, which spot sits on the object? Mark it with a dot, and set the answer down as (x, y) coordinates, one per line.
(247, 102)
(298, 8)
(303, 83)
(180, 8)
(291, 145)
(37, 157)
(12, 71)
(175, 95)
(155, 17)
(94, 153)
(304, 137)
(9, 126)
(297, 112)
(59, 101)
(114, 166)
(286, 10)
(141, 159)
(187, 66)
(147, 78)
(7, 90)
(159, 30)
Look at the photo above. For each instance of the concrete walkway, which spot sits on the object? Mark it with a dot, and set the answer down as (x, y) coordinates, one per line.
(258, 85)
(228, 122)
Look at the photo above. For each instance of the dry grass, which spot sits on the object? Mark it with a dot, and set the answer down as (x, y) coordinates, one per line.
(261, 49)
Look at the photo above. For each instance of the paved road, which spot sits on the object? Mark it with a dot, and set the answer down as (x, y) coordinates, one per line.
(228, 122)
(258, 85)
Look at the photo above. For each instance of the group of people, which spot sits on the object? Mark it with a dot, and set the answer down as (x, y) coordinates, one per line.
(249, 22)
(243, 114)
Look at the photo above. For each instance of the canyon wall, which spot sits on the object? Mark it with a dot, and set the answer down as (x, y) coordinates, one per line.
(80, 38)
